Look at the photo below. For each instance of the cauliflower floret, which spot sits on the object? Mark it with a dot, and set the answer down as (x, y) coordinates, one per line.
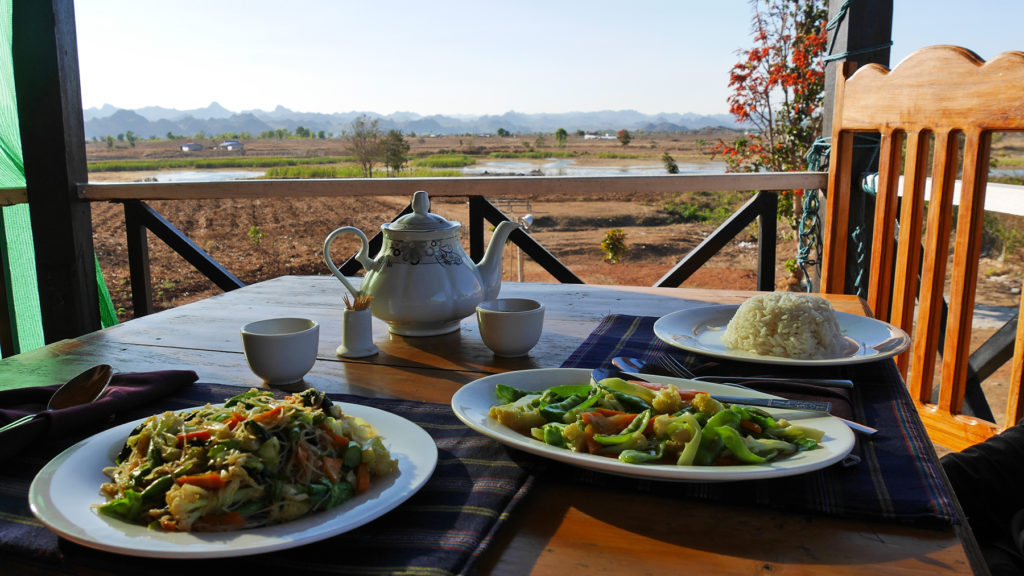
(707, 404)
(377, 458)
(187, 503)
(667, 400)
(519, 415)
(575, 437)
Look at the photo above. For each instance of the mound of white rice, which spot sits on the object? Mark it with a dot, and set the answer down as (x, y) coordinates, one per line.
(787, 325)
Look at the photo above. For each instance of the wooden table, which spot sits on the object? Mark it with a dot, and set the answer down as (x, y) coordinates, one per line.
(559, 527)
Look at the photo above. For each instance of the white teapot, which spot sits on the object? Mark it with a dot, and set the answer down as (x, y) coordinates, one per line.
(422, 282)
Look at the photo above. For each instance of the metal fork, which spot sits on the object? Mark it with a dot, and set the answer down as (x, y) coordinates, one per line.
(675, 367)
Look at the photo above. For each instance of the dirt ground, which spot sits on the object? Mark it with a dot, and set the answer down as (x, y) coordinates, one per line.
(264, 238)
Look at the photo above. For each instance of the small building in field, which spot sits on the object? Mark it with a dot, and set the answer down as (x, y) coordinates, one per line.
(231, 145)
(191, 147)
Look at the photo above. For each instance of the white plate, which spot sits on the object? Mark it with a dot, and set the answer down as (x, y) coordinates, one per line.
(473, 401)
(63, 493)
(700, 330)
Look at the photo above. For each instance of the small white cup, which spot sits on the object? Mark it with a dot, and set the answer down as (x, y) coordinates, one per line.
(510, 327)
(281, 350)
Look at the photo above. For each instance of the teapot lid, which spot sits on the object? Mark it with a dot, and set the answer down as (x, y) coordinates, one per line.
(421, 219)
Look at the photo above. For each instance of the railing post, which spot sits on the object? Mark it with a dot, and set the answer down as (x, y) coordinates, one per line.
(767, 224)
(476, 228)
(138, 259)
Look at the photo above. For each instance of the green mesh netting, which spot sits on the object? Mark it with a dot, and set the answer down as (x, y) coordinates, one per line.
(17, 258)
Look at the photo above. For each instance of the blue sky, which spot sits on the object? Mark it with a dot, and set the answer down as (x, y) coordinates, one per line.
(456, 57)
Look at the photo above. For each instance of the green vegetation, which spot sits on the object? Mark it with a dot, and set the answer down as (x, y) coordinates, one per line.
(712, 207)
(670, 163)
(210, 163)
(364, 143)
(394, 151)
(1010, 236)
(614, 245)
(444, 161)
(300, 172)
(561, 137)
(619, 156)
(255, 234)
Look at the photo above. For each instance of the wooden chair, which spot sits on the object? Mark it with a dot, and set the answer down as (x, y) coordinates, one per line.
(940, 104)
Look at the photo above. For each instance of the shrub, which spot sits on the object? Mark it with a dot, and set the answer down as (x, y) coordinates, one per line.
(614, 245)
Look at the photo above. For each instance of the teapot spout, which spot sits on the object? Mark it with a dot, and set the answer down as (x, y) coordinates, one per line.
(490, 267)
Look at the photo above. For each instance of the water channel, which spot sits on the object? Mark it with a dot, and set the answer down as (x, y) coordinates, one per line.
(550, 167)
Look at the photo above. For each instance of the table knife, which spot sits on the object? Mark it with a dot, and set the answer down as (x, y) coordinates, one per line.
(788, 404)
(816, 406)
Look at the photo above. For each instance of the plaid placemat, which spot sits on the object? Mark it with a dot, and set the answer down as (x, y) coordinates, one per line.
(440, 530)
(898, 477)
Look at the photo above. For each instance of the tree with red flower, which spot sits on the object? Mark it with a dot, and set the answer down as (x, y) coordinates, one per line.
(778, 87)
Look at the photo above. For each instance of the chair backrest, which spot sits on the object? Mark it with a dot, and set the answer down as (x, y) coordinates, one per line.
(938, 106)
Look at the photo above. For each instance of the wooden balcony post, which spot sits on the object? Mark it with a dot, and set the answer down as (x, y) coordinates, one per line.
(45, 51)
(767, 232)
(864, 35)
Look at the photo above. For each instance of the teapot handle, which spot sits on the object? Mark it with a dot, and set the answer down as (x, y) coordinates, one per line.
(363, 256)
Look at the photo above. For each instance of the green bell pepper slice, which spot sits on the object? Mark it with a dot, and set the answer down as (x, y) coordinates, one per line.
(637, 425)
(734, 442)
(552, 433)
(556, 412)
(641, 456)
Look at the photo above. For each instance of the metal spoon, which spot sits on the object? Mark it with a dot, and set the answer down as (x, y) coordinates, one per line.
(82, 389)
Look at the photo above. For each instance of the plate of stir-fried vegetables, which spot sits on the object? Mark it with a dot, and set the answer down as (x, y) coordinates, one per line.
(254, 474)
(666, 429)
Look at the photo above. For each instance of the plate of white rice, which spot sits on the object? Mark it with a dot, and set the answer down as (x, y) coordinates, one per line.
(782, 328)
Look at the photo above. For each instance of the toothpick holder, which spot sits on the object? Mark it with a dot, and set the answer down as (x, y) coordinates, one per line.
(356, 334)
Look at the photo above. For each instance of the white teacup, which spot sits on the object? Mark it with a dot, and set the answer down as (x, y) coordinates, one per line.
(281, 350)
(510, 327)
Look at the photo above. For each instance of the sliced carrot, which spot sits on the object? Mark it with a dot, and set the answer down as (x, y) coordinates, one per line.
(608, 422)
(220, 521)
(268, 415)
(205, 480)
(606, 411)
(750, 426)
(362, 478)
(234, 420)
(332, 468)
(339, 440)
(198, 435)
(687, 395)
(300, 456)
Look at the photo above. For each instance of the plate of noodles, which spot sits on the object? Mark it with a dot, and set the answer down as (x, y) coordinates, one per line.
(66, 495)
(782, 328)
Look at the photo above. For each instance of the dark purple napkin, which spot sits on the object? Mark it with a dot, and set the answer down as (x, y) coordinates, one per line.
(125, 392)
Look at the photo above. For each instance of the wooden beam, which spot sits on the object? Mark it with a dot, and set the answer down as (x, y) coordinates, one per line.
(12, 196)
(45, 51)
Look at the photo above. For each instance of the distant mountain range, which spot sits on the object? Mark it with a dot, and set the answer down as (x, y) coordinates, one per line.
(215, 120)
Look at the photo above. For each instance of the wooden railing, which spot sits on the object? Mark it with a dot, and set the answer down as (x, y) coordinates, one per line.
(140, 217)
